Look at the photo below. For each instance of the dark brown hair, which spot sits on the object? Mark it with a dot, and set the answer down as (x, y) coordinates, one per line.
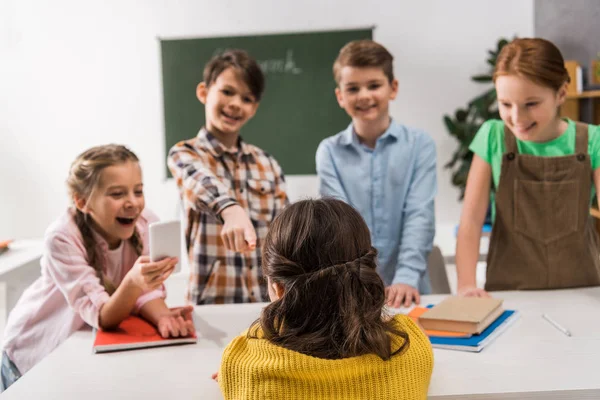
(535, 59)
(320, 253)
(243, 64)
(83, 180)
(363, 54)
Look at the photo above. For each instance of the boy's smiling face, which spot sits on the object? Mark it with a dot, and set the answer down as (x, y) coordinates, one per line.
(365, 93)
(229, 105)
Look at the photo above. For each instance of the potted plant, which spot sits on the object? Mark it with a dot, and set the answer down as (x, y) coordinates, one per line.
(465, 122)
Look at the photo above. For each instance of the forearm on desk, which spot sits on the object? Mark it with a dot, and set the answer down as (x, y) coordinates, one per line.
(119, 305)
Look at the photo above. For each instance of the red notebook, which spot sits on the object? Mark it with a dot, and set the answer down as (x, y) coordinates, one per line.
(135, 333)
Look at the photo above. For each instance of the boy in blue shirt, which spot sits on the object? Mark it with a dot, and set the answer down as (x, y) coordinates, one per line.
(386, 170)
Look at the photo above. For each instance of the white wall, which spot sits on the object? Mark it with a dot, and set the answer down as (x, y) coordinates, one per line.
(77, 73)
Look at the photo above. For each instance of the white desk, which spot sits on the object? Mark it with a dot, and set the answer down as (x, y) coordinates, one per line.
(19, 267)
(20, 253)
(531, 360)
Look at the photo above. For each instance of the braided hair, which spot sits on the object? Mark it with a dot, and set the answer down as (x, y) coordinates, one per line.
(320, 253)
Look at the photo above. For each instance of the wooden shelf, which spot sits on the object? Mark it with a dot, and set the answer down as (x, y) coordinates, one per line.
(584, 95)
(584, 106)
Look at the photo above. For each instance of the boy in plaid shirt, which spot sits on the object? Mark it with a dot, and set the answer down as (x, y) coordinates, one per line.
(231, 190)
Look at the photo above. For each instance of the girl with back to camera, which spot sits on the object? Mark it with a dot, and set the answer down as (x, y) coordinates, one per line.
(325, 335)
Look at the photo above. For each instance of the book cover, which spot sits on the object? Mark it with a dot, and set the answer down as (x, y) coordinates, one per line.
(135, 333)
(462, 314)
(416, 312)
(574, 70)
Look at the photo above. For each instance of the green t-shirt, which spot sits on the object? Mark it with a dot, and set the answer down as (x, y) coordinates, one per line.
(490, 146)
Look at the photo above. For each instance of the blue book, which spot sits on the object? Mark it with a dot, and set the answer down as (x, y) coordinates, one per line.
(476, 343)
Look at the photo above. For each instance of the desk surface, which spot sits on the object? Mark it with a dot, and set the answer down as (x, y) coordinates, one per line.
(531, 360)
(19, 253)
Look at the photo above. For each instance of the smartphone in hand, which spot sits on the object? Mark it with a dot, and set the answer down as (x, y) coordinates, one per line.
(165, 241)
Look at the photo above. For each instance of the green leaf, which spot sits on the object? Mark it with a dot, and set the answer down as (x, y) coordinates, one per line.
(459, 178)
(501, 43)
(465, 153)
(467, 121)
(450, 125)
(478, 104)
(488, 95)
(460, 115)
(482, 78)
(452, 162)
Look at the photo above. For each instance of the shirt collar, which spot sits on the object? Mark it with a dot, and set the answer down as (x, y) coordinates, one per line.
(349, 136)
(217, 149)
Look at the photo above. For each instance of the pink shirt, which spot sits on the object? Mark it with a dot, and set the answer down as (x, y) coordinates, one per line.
(68, 294)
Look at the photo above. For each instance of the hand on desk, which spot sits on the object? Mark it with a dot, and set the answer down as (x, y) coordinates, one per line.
(400, 294)
(471, 291)
(177, 322)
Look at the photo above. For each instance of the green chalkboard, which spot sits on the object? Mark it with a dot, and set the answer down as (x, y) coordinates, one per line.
(298, 108)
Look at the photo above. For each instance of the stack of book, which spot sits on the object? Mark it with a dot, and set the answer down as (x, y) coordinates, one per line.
(464, 323)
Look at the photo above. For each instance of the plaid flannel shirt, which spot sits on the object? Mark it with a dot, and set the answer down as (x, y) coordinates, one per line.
(210, 178)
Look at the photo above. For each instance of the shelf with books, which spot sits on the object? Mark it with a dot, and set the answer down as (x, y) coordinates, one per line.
(582, 104)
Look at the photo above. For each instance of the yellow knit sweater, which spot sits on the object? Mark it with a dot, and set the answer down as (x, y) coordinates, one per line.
(257, 369)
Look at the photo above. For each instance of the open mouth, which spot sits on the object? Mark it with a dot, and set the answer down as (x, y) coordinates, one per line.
(229, 116)
(125, 221)
(365, 108)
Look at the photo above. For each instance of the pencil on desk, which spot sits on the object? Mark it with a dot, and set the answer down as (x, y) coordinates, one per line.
(556, 325)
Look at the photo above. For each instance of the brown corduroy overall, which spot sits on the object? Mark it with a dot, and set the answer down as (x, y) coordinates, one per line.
(543, 236)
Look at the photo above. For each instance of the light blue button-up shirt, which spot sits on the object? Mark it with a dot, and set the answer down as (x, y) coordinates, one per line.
(393, 186)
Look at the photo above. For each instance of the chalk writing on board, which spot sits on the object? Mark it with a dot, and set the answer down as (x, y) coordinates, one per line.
(285, 65)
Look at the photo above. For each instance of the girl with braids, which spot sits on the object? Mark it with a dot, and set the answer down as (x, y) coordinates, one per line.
(94, 269)
(325, 335)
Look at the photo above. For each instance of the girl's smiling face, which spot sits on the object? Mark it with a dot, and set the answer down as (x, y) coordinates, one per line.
(528, 109)
(116, 203)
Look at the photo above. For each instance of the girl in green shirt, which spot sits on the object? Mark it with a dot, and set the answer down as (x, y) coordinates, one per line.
(544, 170)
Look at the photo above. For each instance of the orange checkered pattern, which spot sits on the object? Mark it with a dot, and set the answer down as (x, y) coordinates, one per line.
(210, 178)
